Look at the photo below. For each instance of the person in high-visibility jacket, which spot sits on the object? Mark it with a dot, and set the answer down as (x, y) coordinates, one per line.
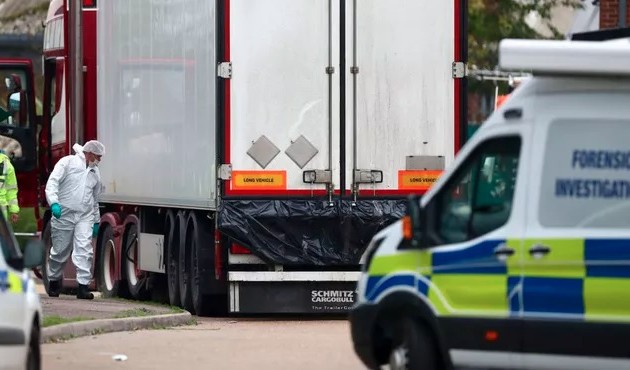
(8, 189)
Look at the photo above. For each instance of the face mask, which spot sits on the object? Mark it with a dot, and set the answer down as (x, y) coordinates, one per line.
(94, 163)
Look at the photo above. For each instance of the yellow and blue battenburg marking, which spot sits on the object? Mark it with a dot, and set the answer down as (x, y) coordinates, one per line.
(581, 278)
(11, 282)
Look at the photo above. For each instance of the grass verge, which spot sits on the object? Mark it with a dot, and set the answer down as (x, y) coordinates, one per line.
(135, 312)
(173, 309)
(57, 320)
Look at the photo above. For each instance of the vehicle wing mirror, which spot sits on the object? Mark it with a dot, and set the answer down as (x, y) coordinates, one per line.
(8, 82)
(14, 103)
(412, 222)
(33, 254)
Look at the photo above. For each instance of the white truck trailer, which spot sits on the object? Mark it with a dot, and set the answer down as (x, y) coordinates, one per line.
(255, 147)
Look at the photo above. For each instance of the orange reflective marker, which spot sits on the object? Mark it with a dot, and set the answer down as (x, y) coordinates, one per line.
(407, 228)
(492, 336)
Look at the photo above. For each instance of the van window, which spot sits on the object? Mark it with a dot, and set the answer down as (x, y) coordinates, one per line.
(586, 175)
(479, 197)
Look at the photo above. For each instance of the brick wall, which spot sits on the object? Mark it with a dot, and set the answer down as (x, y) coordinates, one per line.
(609, 13)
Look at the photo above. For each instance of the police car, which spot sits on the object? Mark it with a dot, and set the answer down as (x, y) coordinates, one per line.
(519, 256)
(20, 308)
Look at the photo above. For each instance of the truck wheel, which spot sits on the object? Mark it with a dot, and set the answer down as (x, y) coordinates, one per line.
(172, 257)
(413, 347)
(200, 241)
(185, 295)
(136, 280)
(47, 240)
(106, 248)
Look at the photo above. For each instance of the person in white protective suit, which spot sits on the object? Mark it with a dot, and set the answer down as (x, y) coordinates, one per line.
(72, 191)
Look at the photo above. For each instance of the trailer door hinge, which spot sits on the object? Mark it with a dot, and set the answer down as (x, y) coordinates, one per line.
(224, 70)
(225, 172)
(460, 70)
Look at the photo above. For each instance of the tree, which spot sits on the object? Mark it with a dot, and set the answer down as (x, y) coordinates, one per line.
(492, 20)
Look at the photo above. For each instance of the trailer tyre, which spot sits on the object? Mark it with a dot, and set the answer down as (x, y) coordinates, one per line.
(172, 257)
(47, 240)
(43, 270)
(136, 282)
(106, 249)
(200, 241)
(185, 294)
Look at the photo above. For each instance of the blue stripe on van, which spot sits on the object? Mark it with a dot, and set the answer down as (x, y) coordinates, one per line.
(476, 259)
(553, 295)
(422, 286)
(378, 284)
(607, 258)
(515, 300)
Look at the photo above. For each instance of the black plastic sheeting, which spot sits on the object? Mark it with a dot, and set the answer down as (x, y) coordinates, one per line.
(307, 232)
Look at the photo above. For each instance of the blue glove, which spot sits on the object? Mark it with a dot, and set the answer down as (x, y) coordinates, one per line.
(95, 230)
(56, 210)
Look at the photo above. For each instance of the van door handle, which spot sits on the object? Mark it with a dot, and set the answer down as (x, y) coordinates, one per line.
(539, 250)
(503, 251)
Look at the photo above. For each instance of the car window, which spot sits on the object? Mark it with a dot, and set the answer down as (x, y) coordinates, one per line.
(479, 197)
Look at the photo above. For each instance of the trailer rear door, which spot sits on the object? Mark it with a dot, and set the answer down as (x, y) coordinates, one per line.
(283, 105)
(326, 96)
(401, 95)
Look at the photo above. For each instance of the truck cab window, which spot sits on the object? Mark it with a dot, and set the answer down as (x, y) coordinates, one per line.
(52, 103)
(479, 198)
(14, 99)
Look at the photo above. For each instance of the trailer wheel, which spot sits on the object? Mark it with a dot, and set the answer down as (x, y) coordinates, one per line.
(185, 294)
(47, 240)
(172, 257)
(136, 280)
(200, 241)
(106, 249)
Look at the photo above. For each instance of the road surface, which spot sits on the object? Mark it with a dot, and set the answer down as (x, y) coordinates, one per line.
(214, 344)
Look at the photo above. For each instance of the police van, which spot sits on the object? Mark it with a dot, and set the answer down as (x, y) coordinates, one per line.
(519, 256)
(20, 308)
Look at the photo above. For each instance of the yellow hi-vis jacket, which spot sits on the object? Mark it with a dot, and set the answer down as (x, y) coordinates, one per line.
(8, 187)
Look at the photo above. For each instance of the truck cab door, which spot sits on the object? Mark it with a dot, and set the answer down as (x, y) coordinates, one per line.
(18, 124)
